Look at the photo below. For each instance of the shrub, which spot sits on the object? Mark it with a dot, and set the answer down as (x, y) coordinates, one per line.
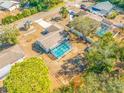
(8, 19)
(19, 16)
(9, 35)
(26, 12)
(39, 7)
(112, 15)
(33, 10)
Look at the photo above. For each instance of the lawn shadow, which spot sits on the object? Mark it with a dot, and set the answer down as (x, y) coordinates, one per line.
(73, 66)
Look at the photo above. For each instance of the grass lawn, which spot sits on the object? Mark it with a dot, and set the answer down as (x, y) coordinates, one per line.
(57, 6)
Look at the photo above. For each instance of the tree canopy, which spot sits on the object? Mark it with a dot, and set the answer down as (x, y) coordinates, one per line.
(94, 83)
(85, 25)
(64, 12)
(102, 83)
(29, 76)
(119, 3)
(9, 35)
(103, 54)
(33, 3)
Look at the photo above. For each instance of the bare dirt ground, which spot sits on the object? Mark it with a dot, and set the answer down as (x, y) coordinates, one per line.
(26, 40)
(64, 69)
(118, 19)
(3, 14)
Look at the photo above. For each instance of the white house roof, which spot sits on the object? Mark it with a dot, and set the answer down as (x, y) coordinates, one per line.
(7, 4)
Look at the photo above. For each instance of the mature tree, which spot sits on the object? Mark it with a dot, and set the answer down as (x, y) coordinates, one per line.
(9, 35)
(119, 3)
(103, 55)
(102, 83)
(121, 51)
(95, 83)
(33, 3)
(85, 25)
(29, 76)
(64, 12)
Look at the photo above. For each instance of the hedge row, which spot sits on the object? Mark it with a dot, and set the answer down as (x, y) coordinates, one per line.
(25, 13)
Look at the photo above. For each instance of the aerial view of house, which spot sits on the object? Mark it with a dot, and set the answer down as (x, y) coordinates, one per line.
(102, 8)
(61, 46)
(55, 41)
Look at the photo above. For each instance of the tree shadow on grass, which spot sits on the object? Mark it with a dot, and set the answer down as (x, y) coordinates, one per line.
(73, 66)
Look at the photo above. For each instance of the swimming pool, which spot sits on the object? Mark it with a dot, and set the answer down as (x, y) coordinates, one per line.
(102, 30)
(61, 50)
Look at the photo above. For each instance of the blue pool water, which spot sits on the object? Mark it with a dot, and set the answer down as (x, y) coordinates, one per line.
(102, 30)
(61, 50)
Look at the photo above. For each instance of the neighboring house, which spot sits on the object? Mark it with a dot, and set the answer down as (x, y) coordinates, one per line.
(55, 41)
(102, 8)
(8, 57)
(9, 5)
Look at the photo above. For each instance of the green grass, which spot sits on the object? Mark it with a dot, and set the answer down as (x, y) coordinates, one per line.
(59, 5)
(72, 0)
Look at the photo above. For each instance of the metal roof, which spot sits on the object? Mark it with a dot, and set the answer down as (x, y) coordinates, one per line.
(104, 6)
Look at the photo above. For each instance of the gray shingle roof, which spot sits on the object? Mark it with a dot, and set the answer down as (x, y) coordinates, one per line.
(10, 55)
(52, 38)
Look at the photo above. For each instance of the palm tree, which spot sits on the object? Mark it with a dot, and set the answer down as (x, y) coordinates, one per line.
(64, 12)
